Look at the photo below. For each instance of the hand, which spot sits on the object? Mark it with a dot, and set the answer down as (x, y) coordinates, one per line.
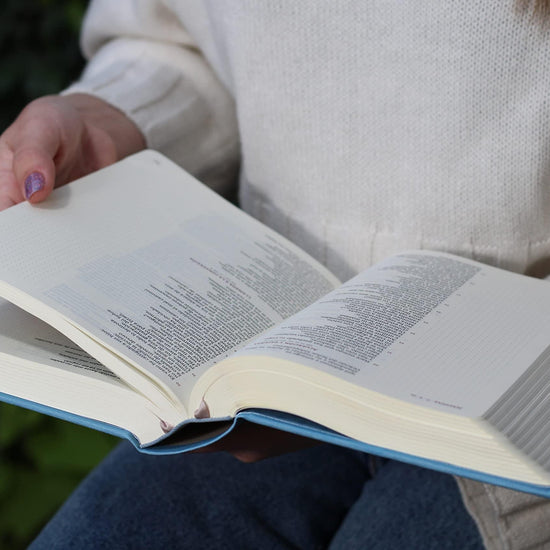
(251, 443)
(57, 139)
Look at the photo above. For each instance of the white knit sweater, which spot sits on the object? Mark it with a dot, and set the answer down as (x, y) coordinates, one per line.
(364, 126)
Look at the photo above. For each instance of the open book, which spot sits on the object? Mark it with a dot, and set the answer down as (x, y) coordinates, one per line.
(135, 297)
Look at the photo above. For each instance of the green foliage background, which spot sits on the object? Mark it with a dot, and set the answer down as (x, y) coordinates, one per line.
(41, 459)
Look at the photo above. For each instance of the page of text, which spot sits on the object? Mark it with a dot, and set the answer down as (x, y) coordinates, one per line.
(23, 336)
(430, 329)
(157, 266)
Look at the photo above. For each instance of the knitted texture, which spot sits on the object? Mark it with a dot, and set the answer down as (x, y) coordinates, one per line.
(507, 520)
(144, 63)
(365, 127)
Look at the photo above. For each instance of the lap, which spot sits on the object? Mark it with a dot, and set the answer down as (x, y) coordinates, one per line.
(408, 507)
(300, 500)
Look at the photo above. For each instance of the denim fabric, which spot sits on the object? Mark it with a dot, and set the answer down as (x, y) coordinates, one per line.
(322, 497)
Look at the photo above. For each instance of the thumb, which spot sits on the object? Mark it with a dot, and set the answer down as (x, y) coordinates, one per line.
(34, 170)
(33, 160)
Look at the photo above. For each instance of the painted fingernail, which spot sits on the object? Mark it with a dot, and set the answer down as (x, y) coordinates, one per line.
(34, 182)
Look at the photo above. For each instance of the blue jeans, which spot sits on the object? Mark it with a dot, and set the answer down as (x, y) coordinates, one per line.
(322, 497)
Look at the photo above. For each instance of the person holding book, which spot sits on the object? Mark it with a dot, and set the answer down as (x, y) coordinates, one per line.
(360, 129)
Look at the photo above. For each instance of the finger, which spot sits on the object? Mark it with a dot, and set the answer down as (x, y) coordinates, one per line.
(34, 170)
(34, 150)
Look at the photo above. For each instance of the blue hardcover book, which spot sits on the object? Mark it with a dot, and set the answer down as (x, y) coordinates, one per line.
(161, 313)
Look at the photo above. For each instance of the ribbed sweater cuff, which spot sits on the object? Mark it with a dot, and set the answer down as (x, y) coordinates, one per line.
(173, 97)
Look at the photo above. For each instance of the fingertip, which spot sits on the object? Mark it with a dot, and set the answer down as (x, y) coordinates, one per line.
(36, 173)
(34, 183)
(37, 185)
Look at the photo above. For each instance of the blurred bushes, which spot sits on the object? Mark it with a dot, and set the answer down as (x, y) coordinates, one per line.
(41, 459)
(39, 52)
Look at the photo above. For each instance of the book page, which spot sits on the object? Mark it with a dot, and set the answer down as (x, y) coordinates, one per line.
(157, 267)
(23, 336)
(40, 365)
(427, 328)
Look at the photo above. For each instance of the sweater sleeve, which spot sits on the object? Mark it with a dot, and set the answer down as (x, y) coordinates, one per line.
(142, 61)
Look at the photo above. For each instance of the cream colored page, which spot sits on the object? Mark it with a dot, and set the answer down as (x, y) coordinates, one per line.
(157, 267)
(41, 365)
(429, 329)
(23, 336)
